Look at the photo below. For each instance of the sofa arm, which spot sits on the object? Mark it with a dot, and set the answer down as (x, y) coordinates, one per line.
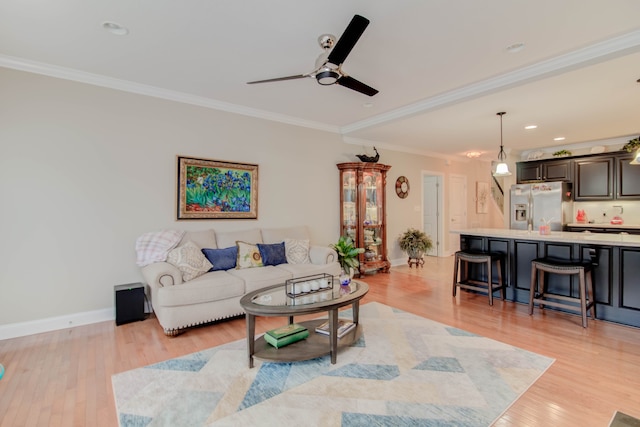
(322, 255)
(160, 274)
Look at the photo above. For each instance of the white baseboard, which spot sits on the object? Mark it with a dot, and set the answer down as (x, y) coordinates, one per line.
(14, 330)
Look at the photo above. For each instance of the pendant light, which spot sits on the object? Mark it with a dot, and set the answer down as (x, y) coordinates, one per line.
(502, 169)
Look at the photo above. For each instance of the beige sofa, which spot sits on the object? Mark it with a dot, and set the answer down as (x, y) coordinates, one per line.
(216, 294)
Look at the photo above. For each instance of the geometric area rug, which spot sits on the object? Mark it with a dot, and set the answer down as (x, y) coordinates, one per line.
(405, 370)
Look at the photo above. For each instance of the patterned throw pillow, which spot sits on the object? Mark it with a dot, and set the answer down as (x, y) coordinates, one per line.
(272, 254)
(222, 259)
(189, 260)
(248, 256)
(297, 251)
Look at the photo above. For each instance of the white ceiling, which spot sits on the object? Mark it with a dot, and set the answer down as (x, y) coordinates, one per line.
(441, 67)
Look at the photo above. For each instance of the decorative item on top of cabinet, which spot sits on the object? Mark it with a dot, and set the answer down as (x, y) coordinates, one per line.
(363, 212)
(369, 159)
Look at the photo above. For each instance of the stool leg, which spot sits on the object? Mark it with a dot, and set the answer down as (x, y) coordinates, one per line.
(490, 281)
(502, 290)
(592, 296)
(533, 287)
(542, 286)
(456, 265)
(583, 298)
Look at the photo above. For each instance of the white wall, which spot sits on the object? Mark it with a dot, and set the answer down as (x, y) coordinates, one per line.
(85, 170)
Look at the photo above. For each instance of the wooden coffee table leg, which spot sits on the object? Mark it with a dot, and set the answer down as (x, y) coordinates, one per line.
(356, 311)
(251, 332)
(333, 334)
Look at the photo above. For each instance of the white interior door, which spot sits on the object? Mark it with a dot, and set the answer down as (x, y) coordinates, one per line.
(431, 208)
(457, 208)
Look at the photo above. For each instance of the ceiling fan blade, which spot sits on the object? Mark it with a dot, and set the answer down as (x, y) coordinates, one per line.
(278, 79)
(351, 83)
(348, 40)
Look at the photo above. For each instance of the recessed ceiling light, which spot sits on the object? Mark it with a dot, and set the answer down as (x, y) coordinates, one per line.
(560, 138)
(516, 47)
(115, 28)
(367, 105)
(530, 127)
(473, 154)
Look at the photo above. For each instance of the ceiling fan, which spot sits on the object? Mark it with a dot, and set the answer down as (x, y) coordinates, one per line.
(328, 69)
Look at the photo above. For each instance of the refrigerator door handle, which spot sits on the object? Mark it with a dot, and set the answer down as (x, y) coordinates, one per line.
(530, 209)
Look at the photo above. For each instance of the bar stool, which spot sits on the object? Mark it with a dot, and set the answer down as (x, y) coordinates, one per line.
(462, 260)
(538, 294)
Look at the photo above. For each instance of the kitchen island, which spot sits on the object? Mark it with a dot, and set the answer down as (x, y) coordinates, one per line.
(616, 275)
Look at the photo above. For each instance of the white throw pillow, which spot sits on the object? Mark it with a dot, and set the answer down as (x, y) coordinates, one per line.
(189, 260)
(297, 251)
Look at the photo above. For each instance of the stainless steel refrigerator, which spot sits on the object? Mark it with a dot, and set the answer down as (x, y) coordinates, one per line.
(541, 203)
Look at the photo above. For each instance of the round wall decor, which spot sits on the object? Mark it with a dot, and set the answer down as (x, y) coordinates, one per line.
(402, 187)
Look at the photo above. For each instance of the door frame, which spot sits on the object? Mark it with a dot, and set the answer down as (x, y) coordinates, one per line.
(440, 202)
(465, 205)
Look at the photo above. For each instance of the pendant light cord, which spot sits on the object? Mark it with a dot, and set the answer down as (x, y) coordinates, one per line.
(501, 154)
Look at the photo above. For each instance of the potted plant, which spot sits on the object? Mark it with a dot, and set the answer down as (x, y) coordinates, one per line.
(414, 242)
(347, 254)
(562, 153)
(632, 145)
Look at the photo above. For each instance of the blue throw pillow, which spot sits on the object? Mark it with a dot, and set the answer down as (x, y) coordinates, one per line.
(222, 259)
(272, 254)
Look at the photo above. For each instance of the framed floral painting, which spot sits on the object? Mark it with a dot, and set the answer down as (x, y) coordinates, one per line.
(212, 189)
(482, 197)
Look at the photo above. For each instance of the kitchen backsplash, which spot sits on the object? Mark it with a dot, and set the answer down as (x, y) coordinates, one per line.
(603, 212)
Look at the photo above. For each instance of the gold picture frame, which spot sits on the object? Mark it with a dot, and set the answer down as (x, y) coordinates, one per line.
(215, 189)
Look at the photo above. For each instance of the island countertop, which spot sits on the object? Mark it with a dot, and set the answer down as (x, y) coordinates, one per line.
(555, 236)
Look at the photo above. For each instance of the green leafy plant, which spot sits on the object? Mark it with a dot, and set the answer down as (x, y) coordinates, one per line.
(562, 153)
(632, 145)
(414, 242)
(347, 253)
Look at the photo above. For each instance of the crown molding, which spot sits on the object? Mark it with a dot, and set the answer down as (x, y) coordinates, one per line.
(401, 149)
(605, 50)
(611, 48)
(156, 92)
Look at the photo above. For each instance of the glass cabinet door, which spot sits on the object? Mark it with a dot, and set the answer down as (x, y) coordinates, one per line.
(373, 218)
(349, 205)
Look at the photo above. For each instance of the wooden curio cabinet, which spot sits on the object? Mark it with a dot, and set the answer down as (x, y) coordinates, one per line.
(363, 212)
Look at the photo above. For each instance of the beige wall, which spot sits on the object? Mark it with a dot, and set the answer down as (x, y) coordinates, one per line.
(85, 170)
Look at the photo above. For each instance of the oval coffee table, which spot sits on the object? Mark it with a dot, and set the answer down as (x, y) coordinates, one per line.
(274, 302)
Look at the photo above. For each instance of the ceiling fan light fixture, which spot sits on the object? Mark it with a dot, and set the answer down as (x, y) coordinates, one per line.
(327, 77)
(502, 169)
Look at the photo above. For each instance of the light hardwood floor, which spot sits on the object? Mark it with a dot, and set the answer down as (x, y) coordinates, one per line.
(63, 378)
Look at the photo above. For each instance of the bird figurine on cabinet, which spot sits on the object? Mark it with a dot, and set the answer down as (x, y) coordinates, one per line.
(369, 159)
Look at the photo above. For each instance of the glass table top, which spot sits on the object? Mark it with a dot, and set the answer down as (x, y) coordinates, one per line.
(278, 296)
